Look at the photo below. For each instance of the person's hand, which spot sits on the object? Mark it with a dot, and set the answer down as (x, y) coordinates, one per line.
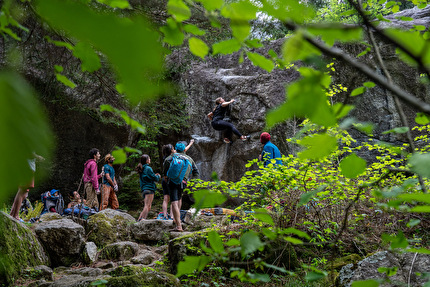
(232, 100)
(115, 187)
(259, 157)
(191, 141)
(157, 174)
(97, 191)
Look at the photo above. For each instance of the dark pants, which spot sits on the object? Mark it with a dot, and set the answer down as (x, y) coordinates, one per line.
(227, 127)
(175, 191)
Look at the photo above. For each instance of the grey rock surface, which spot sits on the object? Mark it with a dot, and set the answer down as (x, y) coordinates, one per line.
(151, 230)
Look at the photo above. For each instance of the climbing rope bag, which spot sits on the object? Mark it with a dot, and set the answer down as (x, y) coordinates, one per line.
(179, 167)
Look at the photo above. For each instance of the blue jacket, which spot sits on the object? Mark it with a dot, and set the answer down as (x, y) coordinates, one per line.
(270, 151)
(148, 179)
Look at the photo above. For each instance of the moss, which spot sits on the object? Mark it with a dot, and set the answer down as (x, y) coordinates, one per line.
(19, 248)
(102, 231)
(144, 279)
(340, 262)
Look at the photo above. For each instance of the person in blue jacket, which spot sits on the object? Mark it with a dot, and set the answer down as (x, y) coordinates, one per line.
(270, 151)
(147, 184)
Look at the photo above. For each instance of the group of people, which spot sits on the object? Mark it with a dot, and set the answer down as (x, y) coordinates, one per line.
(172, 190)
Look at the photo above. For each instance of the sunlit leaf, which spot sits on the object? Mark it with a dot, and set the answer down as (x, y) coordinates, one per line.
(314, 276)
(399, 130)
(297, 232)
(60, 43)
(192, 29)
(211, 5)
(358, 91)
(63, 79)
(422, 119)
(134, 125)
(192, 264)
(112, 35)
(415, 44)
(419, 209)
(369, 84)
(318, 146)
(261, 61)
(90, 61)
(254, 43)
(352, 166)
(120, 156)
(198, 47)
(24, 129)
(121, 4)
(365, 283)
(179, 10)
(341, 110)
(419, 250)
(364, 52)
(305, 98)
(389, 271)
(226, 47)
(287, 10)
(293, 240)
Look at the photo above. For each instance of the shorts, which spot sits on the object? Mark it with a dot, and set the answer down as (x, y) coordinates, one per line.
(175, 191)
(145, 192)
(165, 187)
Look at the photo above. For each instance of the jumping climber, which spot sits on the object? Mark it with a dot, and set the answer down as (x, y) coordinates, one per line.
(218, 122)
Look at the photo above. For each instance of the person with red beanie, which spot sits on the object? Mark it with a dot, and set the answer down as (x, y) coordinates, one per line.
(270, 151)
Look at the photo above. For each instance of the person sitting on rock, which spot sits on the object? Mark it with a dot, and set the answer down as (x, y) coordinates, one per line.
(218, 122)
(49, 200)
(76, 200)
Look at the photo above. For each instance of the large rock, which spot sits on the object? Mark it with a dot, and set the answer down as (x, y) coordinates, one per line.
(63, 240)
(119, 251)
(89, 253)
(409, 266)
(109, 226)
(19, 248)
(152, 230)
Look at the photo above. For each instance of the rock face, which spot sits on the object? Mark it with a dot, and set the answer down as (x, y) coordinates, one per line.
(408, 264)
(109, 226)
(63, 240)
(119, 251)
(19, 248)
(255, 92)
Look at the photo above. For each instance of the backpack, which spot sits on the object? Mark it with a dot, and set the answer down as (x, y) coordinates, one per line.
(179, 168)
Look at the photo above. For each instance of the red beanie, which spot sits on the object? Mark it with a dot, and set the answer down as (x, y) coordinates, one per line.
(264, 138)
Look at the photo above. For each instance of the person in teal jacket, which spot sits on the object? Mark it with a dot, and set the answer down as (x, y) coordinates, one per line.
(147, 179)
(270, 151)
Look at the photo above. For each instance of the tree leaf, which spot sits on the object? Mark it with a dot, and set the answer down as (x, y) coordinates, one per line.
(422, 119)
(63, 79)
(307, 196)
(314, 276)
(216, 242)
(305, 98)
(399, 130)
(120, 155)
(121, 4)
(206, 199)
(192, 264)
(211, 5)
(420, 163)
(413, 222)
(369, 84)
(60, 43)
(198, 47)
(352, 166)
(226, 47)
(112, 35)
(365, 283)
(287, 10)
(261, 61)
(24, 129)
(297, 232)
(358, 91)
(264, 216)
(90, 61)
(335, 32)
(318, 146)
(179, 10)
(297, 48)
(192, 29)
(250, 242)
(172, 33)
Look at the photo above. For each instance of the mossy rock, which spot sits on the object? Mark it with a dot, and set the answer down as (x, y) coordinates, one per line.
(119, 251)
(340, 262)
(109, 226)
(19, 248)
(144, 279)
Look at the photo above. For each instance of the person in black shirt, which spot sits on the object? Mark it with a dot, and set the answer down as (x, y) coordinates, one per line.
(218, 122)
